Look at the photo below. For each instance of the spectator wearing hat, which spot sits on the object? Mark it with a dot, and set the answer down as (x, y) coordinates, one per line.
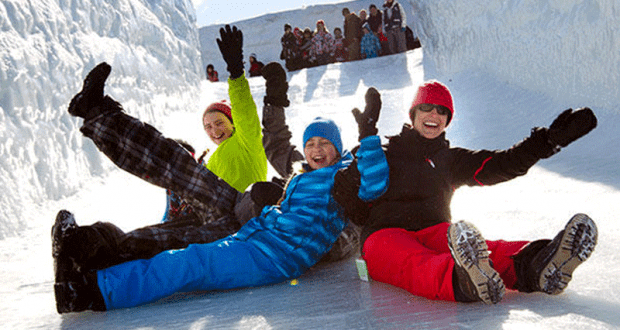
(212, 75)
(322, 44)
(408, 238)
(370, 45)
(255, 66)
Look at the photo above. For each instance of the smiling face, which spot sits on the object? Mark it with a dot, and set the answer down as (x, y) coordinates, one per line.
(320, 153)
(217, 126)
(430, 124)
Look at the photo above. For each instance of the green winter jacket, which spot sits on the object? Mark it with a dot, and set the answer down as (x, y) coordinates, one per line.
(240, 160)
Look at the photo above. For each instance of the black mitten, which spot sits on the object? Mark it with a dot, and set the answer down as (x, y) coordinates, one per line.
(266, 193)
(231, 47)
(345, 191)
(571, 125)
(276, 85)
(367, 120)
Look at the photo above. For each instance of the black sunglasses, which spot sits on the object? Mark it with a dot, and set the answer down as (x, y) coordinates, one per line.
(440, 109)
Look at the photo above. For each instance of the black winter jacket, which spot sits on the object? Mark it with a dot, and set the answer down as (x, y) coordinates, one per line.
(425, 173)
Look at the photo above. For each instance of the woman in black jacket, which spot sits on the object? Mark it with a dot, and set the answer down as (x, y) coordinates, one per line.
(408, 239)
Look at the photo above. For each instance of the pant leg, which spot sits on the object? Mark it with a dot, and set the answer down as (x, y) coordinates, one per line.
(225, 264)
(392, 42)
(95, 246)
(419, 262)
(140, 149)
(501, 253)
(401, 40)
(354, 50)
(146, 242)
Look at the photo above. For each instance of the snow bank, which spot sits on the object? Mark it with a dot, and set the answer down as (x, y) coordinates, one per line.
(46, 49)
(566, 49)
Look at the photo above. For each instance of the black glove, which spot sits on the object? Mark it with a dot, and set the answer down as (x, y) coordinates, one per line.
(571, 125)
(276, 85)
(231, 47)
(266, 193)
(345, 191)
(367, 120)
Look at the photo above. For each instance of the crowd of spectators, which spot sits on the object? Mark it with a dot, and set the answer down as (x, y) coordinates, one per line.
(367, 34)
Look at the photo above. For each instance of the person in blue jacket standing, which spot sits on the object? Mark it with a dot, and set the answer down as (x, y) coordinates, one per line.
(283, 242)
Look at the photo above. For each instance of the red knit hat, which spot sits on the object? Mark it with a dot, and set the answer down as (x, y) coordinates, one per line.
(222, 107)
(433, 92)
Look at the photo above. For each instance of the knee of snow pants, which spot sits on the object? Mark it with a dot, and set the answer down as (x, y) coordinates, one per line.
(419, 262)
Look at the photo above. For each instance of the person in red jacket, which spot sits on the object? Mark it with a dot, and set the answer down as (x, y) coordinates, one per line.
(212, 75)
(408, 239)
(255, 66)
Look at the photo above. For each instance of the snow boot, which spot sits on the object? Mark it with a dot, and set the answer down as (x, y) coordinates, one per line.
(548, 265)
(63, 226)
(85, 104)
(476, 280)
(276, 85)
(79, 295)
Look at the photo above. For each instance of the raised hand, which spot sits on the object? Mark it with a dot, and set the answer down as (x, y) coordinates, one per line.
(275, 85)
(571, 125)
(231, 47)
(367, 120)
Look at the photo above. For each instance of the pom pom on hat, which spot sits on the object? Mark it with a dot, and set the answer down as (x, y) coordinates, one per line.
(433, 92)
(325, 128)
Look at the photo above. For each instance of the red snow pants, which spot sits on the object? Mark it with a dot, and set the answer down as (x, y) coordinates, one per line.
(420, 261)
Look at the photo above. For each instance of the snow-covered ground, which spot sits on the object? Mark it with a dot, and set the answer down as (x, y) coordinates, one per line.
(495, 108)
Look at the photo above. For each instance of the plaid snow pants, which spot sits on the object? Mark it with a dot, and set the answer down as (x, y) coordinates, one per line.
(140, 149)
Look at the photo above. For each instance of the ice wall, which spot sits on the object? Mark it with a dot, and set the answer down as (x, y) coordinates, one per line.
(46, 49)
(566, 49)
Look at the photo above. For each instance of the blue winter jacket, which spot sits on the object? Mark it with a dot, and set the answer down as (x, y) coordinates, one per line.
(370, 45)
(280, 244)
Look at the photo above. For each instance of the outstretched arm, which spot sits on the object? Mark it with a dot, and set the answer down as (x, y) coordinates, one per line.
(490, 167)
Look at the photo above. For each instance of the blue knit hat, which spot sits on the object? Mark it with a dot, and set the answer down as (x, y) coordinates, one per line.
(325, 128)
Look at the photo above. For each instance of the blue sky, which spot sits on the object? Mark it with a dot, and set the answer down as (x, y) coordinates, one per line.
(210, 12)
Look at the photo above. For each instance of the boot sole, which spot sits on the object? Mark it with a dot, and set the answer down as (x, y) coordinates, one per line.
(577, 244)
(64, 221)
(470, 251)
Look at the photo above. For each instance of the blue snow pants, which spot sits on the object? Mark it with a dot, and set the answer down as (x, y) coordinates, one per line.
(236, 261)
